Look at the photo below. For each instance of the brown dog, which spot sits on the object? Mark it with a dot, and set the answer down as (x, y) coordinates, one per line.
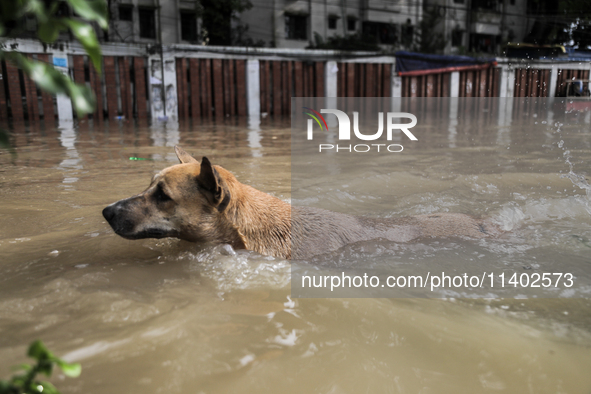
(199, 202)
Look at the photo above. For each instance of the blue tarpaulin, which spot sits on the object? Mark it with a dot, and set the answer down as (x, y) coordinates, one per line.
(411, 61)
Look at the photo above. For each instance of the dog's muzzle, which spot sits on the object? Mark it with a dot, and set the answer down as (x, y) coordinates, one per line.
(121, 219)
(116, 217)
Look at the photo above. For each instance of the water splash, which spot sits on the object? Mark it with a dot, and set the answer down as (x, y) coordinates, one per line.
(239, 270)
(576, 179)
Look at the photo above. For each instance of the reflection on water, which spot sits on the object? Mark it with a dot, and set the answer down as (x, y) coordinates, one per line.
(71, 163)
(168, 316)
(254, 136)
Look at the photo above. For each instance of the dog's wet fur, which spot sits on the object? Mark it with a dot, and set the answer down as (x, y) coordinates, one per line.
(201, 202)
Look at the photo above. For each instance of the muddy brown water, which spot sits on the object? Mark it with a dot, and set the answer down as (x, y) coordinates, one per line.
(166, 316)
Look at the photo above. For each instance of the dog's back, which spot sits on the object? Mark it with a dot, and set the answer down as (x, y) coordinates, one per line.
(315, 231)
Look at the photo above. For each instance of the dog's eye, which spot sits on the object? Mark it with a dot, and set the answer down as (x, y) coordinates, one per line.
(160, 195)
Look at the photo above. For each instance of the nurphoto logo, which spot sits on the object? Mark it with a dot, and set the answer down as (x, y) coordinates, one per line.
(345, 130)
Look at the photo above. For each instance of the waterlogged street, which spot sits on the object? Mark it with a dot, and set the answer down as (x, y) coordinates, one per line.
(167, 316)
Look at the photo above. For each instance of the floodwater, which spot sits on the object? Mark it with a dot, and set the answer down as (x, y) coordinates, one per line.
(167, 316)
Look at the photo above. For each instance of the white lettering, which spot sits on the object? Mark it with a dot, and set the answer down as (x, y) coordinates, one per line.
(401, 126)
(364, 137)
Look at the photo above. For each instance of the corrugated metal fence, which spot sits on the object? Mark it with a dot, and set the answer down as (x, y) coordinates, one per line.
(216, 88)
(211, 88)
(121, 90)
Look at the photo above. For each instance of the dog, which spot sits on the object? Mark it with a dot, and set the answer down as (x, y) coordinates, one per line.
(201, 202)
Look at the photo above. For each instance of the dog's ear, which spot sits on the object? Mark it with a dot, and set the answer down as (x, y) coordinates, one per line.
(208, 180)
(213, 186)
(183, 156)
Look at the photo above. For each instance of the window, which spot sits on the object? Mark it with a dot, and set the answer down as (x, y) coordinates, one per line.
(457, 36)
(485, 43)
(488, 5)
(126, 12)
(351, 24)
(147, 23)
(188, 26)
(30, 23)
(407, 31)
(296, 27)
(332, 22)
(382, 33)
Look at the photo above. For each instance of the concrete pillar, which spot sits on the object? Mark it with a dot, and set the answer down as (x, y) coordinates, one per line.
(454, 84)
(510, 83)
(553, 81)
(507, 82)
(163, 94)
(395, 89)
(505, 114)
(170, 90)
(64, 104)
(396, 85)
(331, 72)
(253, 89)
(155, 88)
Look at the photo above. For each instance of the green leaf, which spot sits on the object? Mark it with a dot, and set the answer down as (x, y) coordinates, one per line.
(72, 370)
(53, 81)
(38, 351)
(37, 8)
(87, 37)
(92, 10)
(45, 367)
(49, 31)
(5, 387)
(43, 74)
(82, 98)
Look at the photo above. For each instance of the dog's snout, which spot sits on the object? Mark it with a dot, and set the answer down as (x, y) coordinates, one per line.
(109, 212)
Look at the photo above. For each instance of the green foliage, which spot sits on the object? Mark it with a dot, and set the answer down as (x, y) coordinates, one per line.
(26, 383)
(50, 24)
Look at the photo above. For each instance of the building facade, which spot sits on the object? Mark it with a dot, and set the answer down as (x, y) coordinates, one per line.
(479, 26)
(153, 21)
(476, 26)
(297, 24)
(271, 23)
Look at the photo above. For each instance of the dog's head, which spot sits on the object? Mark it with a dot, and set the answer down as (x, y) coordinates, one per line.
(185, 201)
